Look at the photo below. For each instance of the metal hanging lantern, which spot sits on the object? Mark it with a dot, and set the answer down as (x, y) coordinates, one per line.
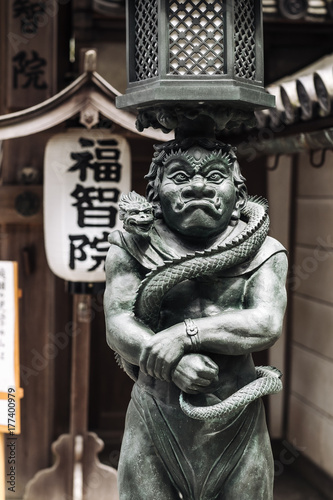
(195, 51)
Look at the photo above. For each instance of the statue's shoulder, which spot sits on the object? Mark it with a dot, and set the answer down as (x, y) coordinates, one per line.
(150, 251)
(119, 253)
(268, 249)
(124, 241)
(120, 259)
(115, 238)
(136, 247)
(271, 246)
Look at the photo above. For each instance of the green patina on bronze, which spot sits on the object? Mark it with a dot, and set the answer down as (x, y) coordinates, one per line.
(194, 283)
(189, 297)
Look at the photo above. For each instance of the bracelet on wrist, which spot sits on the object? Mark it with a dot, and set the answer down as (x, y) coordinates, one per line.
(192, 331)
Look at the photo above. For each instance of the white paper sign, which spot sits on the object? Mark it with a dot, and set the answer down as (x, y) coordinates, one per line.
(7, 326)
(85, 172)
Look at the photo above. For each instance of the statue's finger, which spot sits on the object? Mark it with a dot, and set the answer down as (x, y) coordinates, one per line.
(150, 364)
(210, 364)
(166, 369)
(158, 368)
(202, 382)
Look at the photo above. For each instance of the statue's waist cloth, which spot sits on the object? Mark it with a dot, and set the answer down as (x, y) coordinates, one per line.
(204, 460)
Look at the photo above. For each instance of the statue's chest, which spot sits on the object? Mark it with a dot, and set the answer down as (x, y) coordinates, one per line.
(202, 297)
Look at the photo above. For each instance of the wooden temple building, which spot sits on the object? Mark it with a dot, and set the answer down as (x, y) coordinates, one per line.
(62, 63)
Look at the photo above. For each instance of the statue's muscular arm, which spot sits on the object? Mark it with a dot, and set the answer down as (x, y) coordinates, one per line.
(130, 337)
(255, 327)
(124, 332)
(162, 355)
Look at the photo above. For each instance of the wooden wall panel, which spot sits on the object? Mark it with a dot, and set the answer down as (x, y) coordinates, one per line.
(315, 181)
(313, 277)
(302, 431)
(312, 325)
(280, 199)
(110, 386)
(280, 229)
(314, 222)
(36, 317)
(312, 377)
(26, 152)
(60, 336)
(8, 209)
(310, 418)
(31, 53)
(142, 151)
(112, 68)
(312, 433)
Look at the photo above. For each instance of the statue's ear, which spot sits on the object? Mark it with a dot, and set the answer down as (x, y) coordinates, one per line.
(239, 205)
(242, 199)
(241, 196)
(240, 186)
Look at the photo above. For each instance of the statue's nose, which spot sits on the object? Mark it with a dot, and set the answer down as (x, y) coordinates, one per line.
(198, 189)
(144, 216)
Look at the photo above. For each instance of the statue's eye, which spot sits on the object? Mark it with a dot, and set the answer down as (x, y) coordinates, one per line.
(215, 176)
(179, 177)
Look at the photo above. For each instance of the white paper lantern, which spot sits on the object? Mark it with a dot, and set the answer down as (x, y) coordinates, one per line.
(85, 172)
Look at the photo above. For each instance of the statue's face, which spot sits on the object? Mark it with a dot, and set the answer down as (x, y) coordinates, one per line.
(197, 193)
(139, 219)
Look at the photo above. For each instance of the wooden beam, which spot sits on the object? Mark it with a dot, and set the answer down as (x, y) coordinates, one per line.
(9, 198)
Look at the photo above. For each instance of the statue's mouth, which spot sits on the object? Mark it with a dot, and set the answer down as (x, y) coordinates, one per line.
(143, 226)
(213, 205)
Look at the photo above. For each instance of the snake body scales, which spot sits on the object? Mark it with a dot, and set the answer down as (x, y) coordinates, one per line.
(207, 263)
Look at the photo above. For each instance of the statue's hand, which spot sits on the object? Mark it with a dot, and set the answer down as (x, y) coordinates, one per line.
(195, 373)
(161, 354)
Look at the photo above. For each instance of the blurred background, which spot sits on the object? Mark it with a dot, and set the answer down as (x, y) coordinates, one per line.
(287, 158)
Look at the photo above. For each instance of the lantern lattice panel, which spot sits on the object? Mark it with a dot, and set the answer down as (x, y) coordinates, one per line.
(146, 39)
(183, 52)
(245, 43)
(196, 37)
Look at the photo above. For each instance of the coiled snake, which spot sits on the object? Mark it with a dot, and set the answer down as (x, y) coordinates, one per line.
(206, 263)
(267, 382)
